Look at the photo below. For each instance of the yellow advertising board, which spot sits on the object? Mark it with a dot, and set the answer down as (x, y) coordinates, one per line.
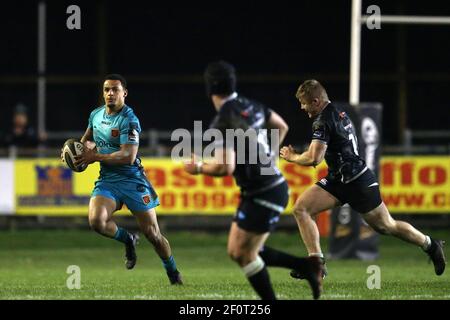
(45, 186)
(416, 184)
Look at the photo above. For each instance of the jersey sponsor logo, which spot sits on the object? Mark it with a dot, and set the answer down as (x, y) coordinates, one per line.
(146, 199)
(114, 133)
(103, 144)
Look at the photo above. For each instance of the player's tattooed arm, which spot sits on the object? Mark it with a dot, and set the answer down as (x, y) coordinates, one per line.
(312, 157)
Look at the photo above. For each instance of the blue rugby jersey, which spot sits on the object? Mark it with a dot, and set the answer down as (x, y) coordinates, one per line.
(111, 131)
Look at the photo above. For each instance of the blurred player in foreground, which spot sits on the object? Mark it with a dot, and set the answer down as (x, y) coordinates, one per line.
(115, 130)
(349, 180)
(263, 196)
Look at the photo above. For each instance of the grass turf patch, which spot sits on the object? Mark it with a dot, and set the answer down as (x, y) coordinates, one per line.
(33, 265)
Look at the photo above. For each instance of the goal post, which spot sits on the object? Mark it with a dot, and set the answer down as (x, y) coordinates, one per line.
(357, 20)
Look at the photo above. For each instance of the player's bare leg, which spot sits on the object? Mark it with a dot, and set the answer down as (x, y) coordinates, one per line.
(311, 202)
(101, 210)
(381, 221)
(100, 214)
(148, 224)
(244, 247)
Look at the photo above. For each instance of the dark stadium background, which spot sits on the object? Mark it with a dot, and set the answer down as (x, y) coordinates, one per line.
(162, 51)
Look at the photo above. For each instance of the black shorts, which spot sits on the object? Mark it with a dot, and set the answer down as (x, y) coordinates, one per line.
(259, 213)
(362, 194)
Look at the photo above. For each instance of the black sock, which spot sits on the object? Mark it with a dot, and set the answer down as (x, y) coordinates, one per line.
(276, 258)
(432, 246)
(261, 283)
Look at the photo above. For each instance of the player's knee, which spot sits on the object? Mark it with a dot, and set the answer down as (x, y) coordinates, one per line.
(239, 256)
(97, 224)
(384, 228)
(235, 254)
(232, 253)
(301, 212)
(379, 229)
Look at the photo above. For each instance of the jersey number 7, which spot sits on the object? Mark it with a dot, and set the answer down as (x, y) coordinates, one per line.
(354, 143)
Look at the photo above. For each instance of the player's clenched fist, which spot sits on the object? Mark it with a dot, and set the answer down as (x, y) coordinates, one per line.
(193, 166)
(288, 153)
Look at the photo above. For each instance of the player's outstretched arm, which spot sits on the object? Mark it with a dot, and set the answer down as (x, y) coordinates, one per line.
(312, 157)
(288, 153)
(223, 165)
(277, 122)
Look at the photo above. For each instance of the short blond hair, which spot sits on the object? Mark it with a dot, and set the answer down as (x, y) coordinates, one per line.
(311, 89)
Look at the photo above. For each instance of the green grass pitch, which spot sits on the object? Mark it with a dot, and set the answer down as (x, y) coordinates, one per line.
(33, 265)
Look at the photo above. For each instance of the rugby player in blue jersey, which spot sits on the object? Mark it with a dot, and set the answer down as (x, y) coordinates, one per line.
(114, 128)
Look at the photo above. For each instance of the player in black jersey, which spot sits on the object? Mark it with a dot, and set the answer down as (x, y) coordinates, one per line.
(349, 180)
(264, 191)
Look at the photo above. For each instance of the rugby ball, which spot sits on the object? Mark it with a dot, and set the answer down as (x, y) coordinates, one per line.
(72, 148)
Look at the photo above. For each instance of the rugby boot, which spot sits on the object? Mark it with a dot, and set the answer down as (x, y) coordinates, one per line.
(130, 252)
(436, 254)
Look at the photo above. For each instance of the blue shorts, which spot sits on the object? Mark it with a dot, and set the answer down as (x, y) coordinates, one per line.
(138, 195)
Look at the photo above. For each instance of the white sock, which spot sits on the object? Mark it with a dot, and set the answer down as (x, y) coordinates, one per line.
(320, 255)
(254, 267)
(427, 244)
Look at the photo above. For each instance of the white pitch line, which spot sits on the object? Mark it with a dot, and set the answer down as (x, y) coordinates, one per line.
(339, 296)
